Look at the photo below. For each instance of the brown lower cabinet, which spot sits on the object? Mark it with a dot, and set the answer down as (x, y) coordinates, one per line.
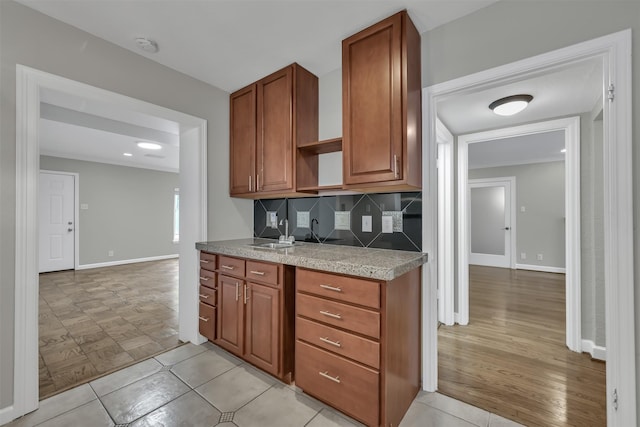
(208, 296)
(358, 343)
(255, 313)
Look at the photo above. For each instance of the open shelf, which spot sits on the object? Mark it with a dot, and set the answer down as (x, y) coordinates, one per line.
(321, 188)
(322, 147)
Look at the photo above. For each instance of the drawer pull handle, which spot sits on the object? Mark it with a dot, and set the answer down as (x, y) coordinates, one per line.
(227, 267)
(237, 288)
(326, 313)
(204, 261)
(331, 288)
(245, 294)
(329, 377)
(204, 319)
(259, 273)
(328, 341)
(204, 296)
(204, 278)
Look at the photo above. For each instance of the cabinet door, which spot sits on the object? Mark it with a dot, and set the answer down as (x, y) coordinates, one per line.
(230, 311)
(242, 141)
(372, 103)
(262, 328)
(275, 135)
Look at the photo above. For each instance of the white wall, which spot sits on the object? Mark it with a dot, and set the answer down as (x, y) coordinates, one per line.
(130, 210)
(540, 229)
(30, 38)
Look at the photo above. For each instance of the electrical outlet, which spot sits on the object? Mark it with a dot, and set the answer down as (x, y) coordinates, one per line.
(302, 219)
(366, 223)
(110, 253)
(523, 209)
(523, 255)
(539, 257)
(272, 219)
(342, 220)
(387, 224)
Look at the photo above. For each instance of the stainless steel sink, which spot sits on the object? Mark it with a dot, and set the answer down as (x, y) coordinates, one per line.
(275, 245)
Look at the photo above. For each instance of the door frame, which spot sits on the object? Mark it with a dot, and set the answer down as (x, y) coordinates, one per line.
(571, 128)
(615, 52)
(511, 180)
(76, 213)
(446, 209)
(193, 224)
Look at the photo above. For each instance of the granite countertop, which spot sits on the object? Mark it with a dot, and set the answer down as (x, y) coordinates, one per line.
(380, 264)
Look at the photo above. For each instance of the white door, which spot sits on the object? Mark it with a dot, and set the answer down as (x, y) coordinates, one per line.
(490, 222)
(56, 206)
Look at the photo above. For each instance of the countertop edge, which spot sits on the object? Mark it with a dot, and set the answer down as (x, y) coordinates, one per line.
(359, 269)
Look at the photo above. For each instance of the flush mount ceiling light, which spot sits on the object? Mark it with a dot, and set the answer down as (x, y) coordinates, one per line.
(510, 105)
(127, 154)
(564, 150)
(147, 45)
(148, 145)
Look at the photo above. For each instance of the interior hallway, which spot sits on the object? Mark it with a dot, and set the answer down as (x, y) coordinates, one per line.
(92, 322)
(512, 359)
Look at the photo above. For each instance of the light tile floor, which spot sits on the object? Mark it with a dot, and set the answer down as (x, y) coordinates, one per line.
(206, 386)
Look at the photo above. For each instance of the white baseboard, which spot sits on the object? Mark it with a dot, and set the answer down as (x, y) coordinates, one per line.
(126, 261)
(6, 415)
(596, 351)
(541, 268)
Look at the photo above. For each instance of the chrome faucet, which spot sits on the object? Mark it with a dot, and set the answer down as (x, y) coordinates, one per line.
(286, 238)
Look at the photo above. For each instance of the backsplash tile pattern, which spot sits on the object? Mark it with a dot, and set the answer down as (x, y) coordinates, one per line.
(322, 211)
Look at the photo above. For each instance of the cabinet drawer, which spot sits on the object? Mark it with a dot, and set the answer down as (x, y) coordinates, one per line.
(340, 342)
(207, 321)
(207, 278)
(231, 266)
(207, 261)
(352, 388)
(207, 295)
(348, 289)
(345, 316)
(262, 272)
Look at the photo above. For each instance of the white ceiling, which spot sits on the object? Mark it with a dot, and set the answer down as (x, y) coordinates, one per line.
(230, 44)
(82, 129)
(535, 148)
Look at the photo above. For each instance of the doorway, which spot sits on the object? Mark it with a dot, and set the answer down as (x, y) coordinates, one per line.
(615, 53)
(193, 160)
(58, 213)
(492, 221)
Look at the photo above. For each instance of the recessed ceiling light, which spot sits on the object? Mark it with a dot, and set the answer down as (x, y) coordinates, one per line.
(147, 45)
(149, 145)
(510, 105)
(127, 154)
(564, 150)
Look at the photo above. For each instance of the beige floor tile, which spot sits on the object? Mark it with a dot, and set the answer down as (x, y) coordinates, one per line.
(203, 368)
(91, 414)
(278, 406)
(142, 397)
(179, 354)
(188, 410)
(460, 409)
(126, 376)
(235, 388)
(331, 418)
(421, 415)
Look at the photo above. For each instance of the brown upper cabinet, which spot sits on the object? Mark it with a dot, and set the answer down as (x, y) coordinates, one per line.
(269, 119)
(381, 97)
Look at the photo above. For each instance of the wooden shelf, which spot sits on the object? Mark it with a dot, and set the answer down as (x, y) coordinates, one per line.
(322, 147)
(321, 188)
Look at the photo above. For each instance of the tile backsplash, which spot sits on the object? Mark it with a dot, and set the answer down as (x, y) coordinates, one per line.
(394, 220)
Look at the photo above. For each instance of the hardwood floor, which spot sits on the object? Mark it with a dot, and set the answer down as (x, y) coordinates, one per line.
(92, 322)
(512, 360)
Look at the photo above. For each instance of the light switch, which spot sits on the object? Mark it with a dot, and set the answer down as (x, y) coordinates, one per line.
(272, 219)
(366, 223)
(302, 220)
(342, 220)
(387, 224)
(396, 216)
